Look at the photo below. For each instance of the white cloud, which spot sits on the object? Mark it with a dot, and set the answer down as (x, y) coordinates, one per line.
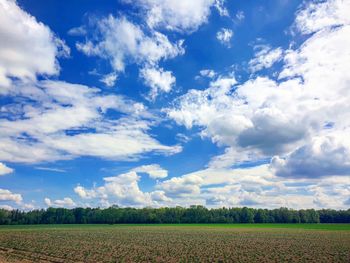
(122, 42)
(324, 156)
(158, 79)
(6, 207)
(159, 196)
(85, 193)
(27, 47)
(109, 79)
(64, 121)
(28, 207)
(234, 155)
(77, 31)
(322, 15)
(122, 189)
(265, 57)
(182, 16)
(257, 187)
(263, 117)
(50, 169)
(181, 186)
(5, 169)
(220, 6)
(224, 35)
(65, 202)
(7, 195)
(153, 170)
(240, 15)
(208, 73)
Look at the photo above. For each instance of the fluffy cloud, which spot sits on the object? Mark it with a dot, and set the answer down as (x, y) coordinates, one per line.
(153, 170)
(158, 80)
(195, 107)
(324, 156)
(224, 36)
(209, 73)
(65, 202)
(322, 15)
(123, 42)
(159, 196)
(64, 120)
(4, 169)
(182, 16)
(6, 207)
(181, 186)
(54, 120)
(265, 57)
(109, 79)
(122, 189)
(263, 117)
(27, 46)
(256, 186)
(7, 195)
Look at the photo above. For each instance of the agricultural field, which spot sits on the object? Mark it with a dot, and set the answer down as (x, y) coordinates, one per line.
(175, 243)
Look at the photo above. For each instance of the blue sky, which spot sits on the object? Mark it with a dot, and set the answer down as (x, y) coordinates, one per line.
(165, 103)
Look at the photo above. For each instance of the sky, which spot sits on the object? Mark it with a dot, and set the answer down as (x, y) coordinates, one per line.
(153, 103)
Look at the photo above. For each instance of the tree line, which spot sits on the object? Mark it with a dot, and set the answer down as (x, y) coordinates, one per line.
(171, 215)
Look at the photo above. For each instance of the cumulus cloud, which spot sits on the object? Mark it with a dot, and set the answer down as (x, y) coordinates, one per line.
(263, 117)
(220, 6)
(181, 16)
(63, 121)
(322, 15)
(224, 35)
(28, 47)
(123, 42)
(122, 189)
(65, 202)
(84, 193)
(159, 196)
(299, 117)
(181, 186)
(109, 79)
(6, 207)
(256, 186)
(158, 79)
(52, 120)
(7, 195)
(265, 57)
(28, 207)
(5, 169)
(153, 170)
(195, 107)
(324, 156)
(209, 73)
